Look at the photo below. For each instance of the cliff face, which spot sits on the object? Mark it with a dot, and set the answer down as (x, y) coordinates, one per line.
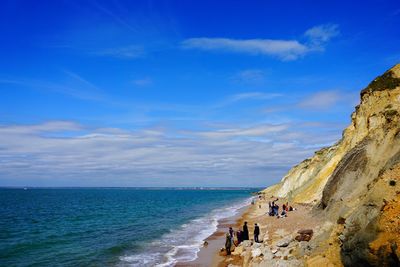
(356, 181)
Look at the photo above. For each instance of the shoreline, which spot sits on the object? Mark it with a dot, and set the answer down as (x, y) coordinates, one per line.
(209, 255)
(272, 230)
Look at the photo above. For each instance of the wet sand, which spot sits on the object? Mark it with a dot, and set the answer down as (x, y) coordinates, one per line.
(209, 255)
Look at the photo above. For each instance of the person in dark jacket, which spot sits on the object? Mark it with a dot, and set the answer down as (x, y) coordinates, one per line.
(239, 236)
(256, 233)
(228, 244)
(232, 234)
(245, 233)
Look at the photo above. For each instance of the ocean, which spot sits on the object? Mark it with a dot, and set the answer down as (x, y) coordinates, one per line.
(110, 227)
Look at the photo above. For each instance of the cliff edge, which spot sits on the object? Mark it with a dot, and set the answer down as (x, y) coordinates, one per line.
(354, 185)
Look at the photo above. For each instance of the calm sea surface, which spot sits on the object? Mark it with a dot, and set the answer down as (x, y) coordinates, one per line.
(113, 227)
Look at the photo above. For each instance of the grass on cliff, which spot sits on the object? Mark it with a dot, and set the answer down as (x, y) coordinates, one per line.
(383, 82)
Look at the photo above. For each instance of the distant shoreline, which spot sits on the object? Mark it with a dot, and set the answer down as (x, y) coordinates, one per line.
(256, 189)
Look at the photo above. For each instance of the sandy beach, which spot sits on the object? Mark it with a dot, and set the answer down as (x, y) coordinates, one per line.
(209, 255)
(271, 228)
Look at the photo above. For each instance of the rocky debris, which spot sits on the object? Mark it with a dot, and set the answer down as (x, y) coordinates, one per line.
(306, 232)
(256, 252)
(284, 242)
(278, 263)
(256, 245)
(341, 220)
(238, 250)
(281, 233)
(246, 243)
(266, 237)
(267, 254)
(304, 235)
(342, 238)
(304, 248)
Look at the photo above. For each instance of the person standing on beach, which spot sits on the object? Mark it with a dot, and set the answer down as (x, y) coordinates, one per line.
(245, 233)
(239, 236)
(231, 233)
(256, 233)
(228, 244)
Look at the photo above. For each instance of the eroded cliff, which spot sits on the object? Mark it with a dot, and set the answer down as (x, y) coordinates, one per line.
(354, 184)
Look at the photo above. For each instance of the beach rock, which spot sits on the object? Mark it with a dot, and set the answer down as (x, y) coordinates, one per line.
(305, 232)
(279, 254)
(304, 248)
(256, 245)
(284, 242)
(246, 258)
(246, 243)
(303, 238)
(274, 251)
(266, 237)
(238, 251)
(279, 263)
(267, 254)
(281, 232)
(342, 237)
(256, 252)
(304, 235)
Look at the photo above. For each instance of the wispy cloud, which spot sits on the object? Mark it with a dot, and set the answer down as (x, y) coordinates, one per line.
(152, 155)
(252, 96)
(326, 99)
(250, 76)
(248, 96)
(146, 81)
(50, 126)
(285, 50)
(72, 85)
(319, 35)
(258, 130)
(125, 52)
(119, 20)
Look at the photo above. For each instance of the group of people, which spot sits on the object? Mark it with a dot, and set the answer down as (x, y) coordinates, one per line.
(274, 209)
(233, 238)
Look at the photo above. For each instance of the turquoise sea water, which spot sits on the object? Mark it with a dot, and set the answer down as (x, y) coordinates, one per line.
(109, 227)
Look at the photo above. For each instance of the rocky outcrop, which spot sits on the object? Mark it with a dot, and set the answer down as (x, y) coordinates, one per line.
(355, 184)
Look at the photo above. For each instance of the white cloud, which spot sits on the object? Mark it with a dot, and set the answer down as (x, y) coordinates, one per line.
(51, 126)
(258, 155)
(321, 34)
(259, 130)
(282, 49)
(327, 99)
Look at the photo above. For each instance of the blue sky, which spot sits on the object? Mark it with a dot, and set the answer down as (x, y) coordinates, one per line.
(181, 93)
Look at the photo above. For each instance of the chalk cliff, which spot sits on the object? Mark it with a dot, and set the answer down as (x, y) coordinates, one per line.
(354, 185)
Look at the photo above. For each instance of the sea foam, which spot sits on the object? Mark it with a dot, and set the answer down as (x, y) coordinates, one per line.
(182, 244)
